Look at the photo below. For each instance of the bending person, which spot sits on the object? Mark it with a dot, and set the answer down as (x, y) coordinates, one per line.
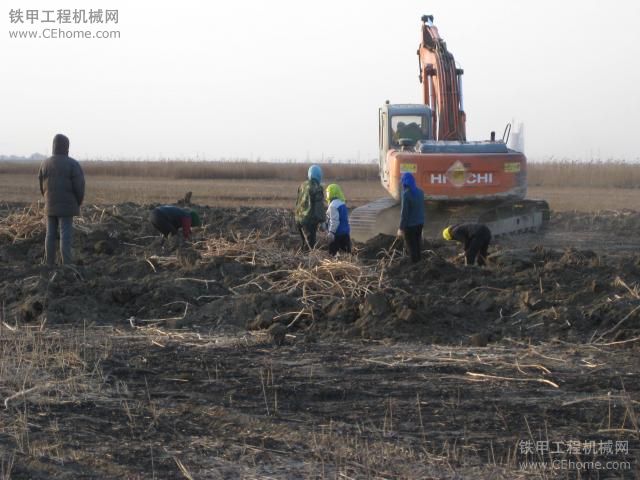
(476, 238)
(168, 219)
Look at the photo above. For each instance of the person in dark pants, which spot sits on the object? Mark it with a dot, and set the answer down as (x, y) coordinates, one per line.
(476, 238)
(62, 185)
(169, 219)
(411, 216)
(338, 229)
(310, 211)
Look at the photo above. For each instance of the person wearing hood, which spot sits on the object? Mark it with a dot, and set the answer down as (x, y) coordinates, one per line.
(475, 237)
(338, 230)
(62, 185)
(168, 219)
(310, 210)
(411, 216)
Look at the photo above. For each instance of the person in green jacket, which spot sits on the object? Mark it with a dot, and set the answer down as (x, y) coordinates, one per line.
(310, 208)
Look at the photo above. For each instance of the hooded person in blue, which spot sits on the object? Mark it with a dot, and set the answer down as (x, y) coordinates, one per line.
(411, 216)
(338, 229)
(310, 207)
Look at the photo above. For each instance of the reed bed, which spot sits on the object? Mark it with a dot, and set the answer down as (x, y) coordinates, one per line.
(555, 173)
(597, 174)
(175, 169)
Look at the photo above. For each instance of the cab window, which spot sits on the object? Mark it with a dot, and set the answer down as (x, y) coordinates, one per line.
(413, 127)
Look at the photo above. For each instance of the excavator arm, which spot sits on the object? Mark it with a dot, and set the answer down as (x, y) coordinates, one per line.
(441, 84)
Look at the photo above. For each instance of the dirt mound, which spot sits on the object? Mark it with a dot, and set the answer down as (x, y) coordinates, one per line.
(244, 270)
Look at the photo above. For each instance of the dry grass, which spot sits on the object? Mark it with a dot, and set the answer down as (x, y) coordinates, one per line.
(47, 369)
(70, 401)
(611, 174)
(22, 224)
(28, 222)
(585, 174)
(311, 277)
(252, 249)
(587, 199)
(205, 170)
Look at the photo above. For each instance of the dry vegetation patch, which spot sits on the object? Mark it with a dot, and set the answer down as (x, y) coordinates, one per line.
(173, 404)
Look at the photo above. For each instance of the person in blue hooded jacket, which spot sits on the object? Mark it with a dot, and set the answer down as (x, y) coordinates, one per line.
(411, 216)
(338, 229)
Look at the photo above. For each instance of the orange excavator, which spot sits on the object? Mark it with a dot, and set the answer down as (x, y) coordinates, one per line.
(463, 181)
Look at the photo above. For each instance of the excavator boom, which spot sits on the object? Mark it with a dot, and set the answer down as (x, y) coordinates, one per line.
(441, 84)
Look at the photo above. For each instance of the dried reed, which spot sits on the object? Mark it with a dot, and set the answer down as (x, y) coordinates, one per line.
(23, 224)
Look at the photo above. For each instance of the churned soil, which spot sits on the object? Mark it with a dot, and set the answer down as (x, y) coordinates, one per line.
(238, 355)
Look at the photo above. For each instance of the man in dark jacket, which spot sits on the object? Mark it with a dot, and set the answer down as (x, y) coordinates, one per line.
(169, 219)
(310, 209)
(62, 185)
(475, 237)
(411, 216)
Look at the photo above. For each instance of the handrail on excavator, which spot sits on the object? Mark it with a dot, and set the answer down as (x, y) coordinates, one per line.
(507, 132)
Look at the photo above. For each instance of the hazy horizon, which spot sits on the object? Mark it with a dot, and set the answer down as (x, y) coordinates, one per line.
(285, 81)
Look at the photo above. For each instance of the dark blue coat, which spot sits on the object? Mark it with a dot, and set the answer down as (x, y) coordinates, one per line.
(412, 208)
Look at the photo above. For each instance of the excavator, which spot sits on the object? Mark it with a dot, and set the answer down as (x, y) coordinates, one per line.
(463, 181)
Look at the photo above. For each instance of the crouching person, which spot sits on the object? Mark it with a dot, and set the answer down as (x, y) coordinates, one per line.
(62, 185)
(168, 219)
(476, 238)
(338, 230)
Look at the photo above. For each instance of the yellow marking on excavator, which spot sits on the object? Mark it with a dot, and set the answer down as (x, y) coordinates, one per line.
(408, 167)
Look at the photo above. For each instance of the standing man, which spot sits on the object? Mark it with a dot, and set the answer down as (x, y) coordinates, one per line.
(62, 185)
(310, 210)
(338, 229)
(476, 238)
(168, 219)
(411, 216)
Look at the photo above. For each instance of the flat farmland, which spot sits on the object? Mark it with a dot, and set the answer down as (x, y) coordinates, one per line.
(226, 192)
(240, 356)
(269, 192)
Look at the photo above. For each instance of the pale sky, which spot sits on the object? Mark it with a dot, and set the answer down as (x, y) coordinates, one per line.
(303, 80)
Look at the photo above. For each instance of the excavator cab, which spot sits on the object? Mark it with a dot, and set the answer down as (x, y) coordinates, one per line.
(402, 127)
(408, 122)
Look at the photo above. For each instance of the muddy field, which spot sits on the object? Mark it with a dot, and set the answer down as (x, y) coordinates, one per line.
(239, 356)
